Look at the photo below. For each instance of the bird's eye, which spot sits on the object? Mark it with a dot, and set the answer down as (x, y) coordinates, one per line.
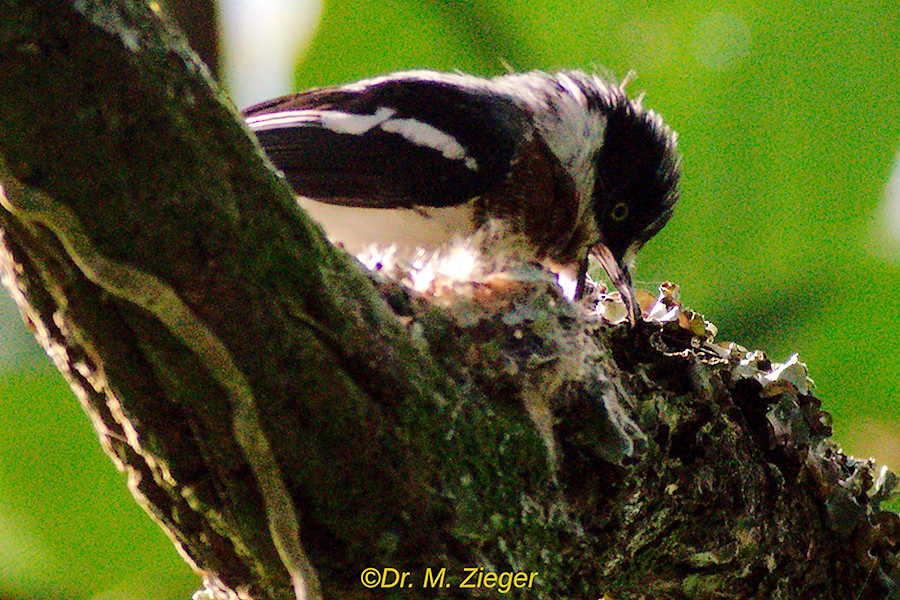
(619, 212)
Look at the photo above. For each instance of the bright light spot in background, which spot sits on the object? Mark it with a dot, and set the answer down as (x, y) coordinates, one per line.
(454, 265)
(887, 226)
(568, 283)
(460, 263)
(721, 41)
(426, 269)
(261, 42)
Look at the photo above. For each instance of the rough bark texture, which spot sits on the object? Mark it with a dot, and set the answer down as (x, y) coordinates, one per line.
(291, 421)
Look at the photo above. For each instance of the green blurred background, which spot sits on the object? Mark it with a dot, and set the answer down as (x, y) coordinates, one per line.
(789, 121)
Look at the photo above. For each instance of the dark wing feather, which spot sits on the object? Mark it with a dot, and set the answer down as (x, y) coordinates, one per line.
(383, 168)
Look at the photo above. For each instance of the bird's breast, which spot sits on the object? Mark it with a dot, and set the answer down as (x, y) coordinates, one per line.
(541, 201)
(357, 228)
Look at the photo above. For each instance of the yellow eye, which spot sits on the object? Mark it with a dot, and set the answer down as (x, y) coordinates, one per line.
(619, 212)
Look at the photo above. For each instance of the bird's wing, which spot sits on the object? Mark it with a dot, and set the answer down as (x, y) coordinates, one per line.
(409, 140)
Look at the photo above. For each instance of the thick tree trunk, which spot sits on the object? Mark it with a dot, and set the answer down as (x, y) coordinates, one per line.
(292, 421)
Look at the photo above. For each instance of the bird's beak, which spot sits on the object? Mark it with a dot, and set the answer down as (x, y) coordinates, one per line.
(620, 276)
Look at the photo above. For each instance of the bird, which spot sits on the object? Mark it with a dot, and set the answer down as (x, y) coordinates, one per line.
(566, 162)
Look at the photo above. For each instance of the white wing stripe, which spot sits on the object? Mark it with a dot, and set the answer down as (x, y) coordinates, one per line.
(423, 134)
(419, 133)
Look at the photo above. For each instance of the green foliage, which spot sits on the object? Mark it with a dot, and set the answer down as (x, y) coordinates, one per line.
(69, 528)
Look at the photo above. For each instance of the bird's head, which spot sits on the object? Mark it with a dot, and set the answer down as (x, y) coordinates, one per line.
(636, 186)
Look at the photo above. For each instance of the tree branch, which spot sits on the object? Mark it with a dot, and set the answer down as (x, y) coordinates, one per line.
(291, 420)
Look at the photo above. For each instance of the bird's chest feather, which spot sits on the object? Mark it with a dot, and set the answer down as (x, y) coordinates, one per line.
(408, 229)
(539, 201)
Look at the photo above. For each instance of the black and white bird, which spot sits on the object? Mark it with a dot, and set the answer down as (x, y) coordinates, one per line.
(567, 162)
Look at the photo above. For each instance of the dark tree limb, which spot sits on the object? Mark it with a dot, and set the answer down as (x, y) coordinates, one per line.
(291, 421)
(198, 19)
